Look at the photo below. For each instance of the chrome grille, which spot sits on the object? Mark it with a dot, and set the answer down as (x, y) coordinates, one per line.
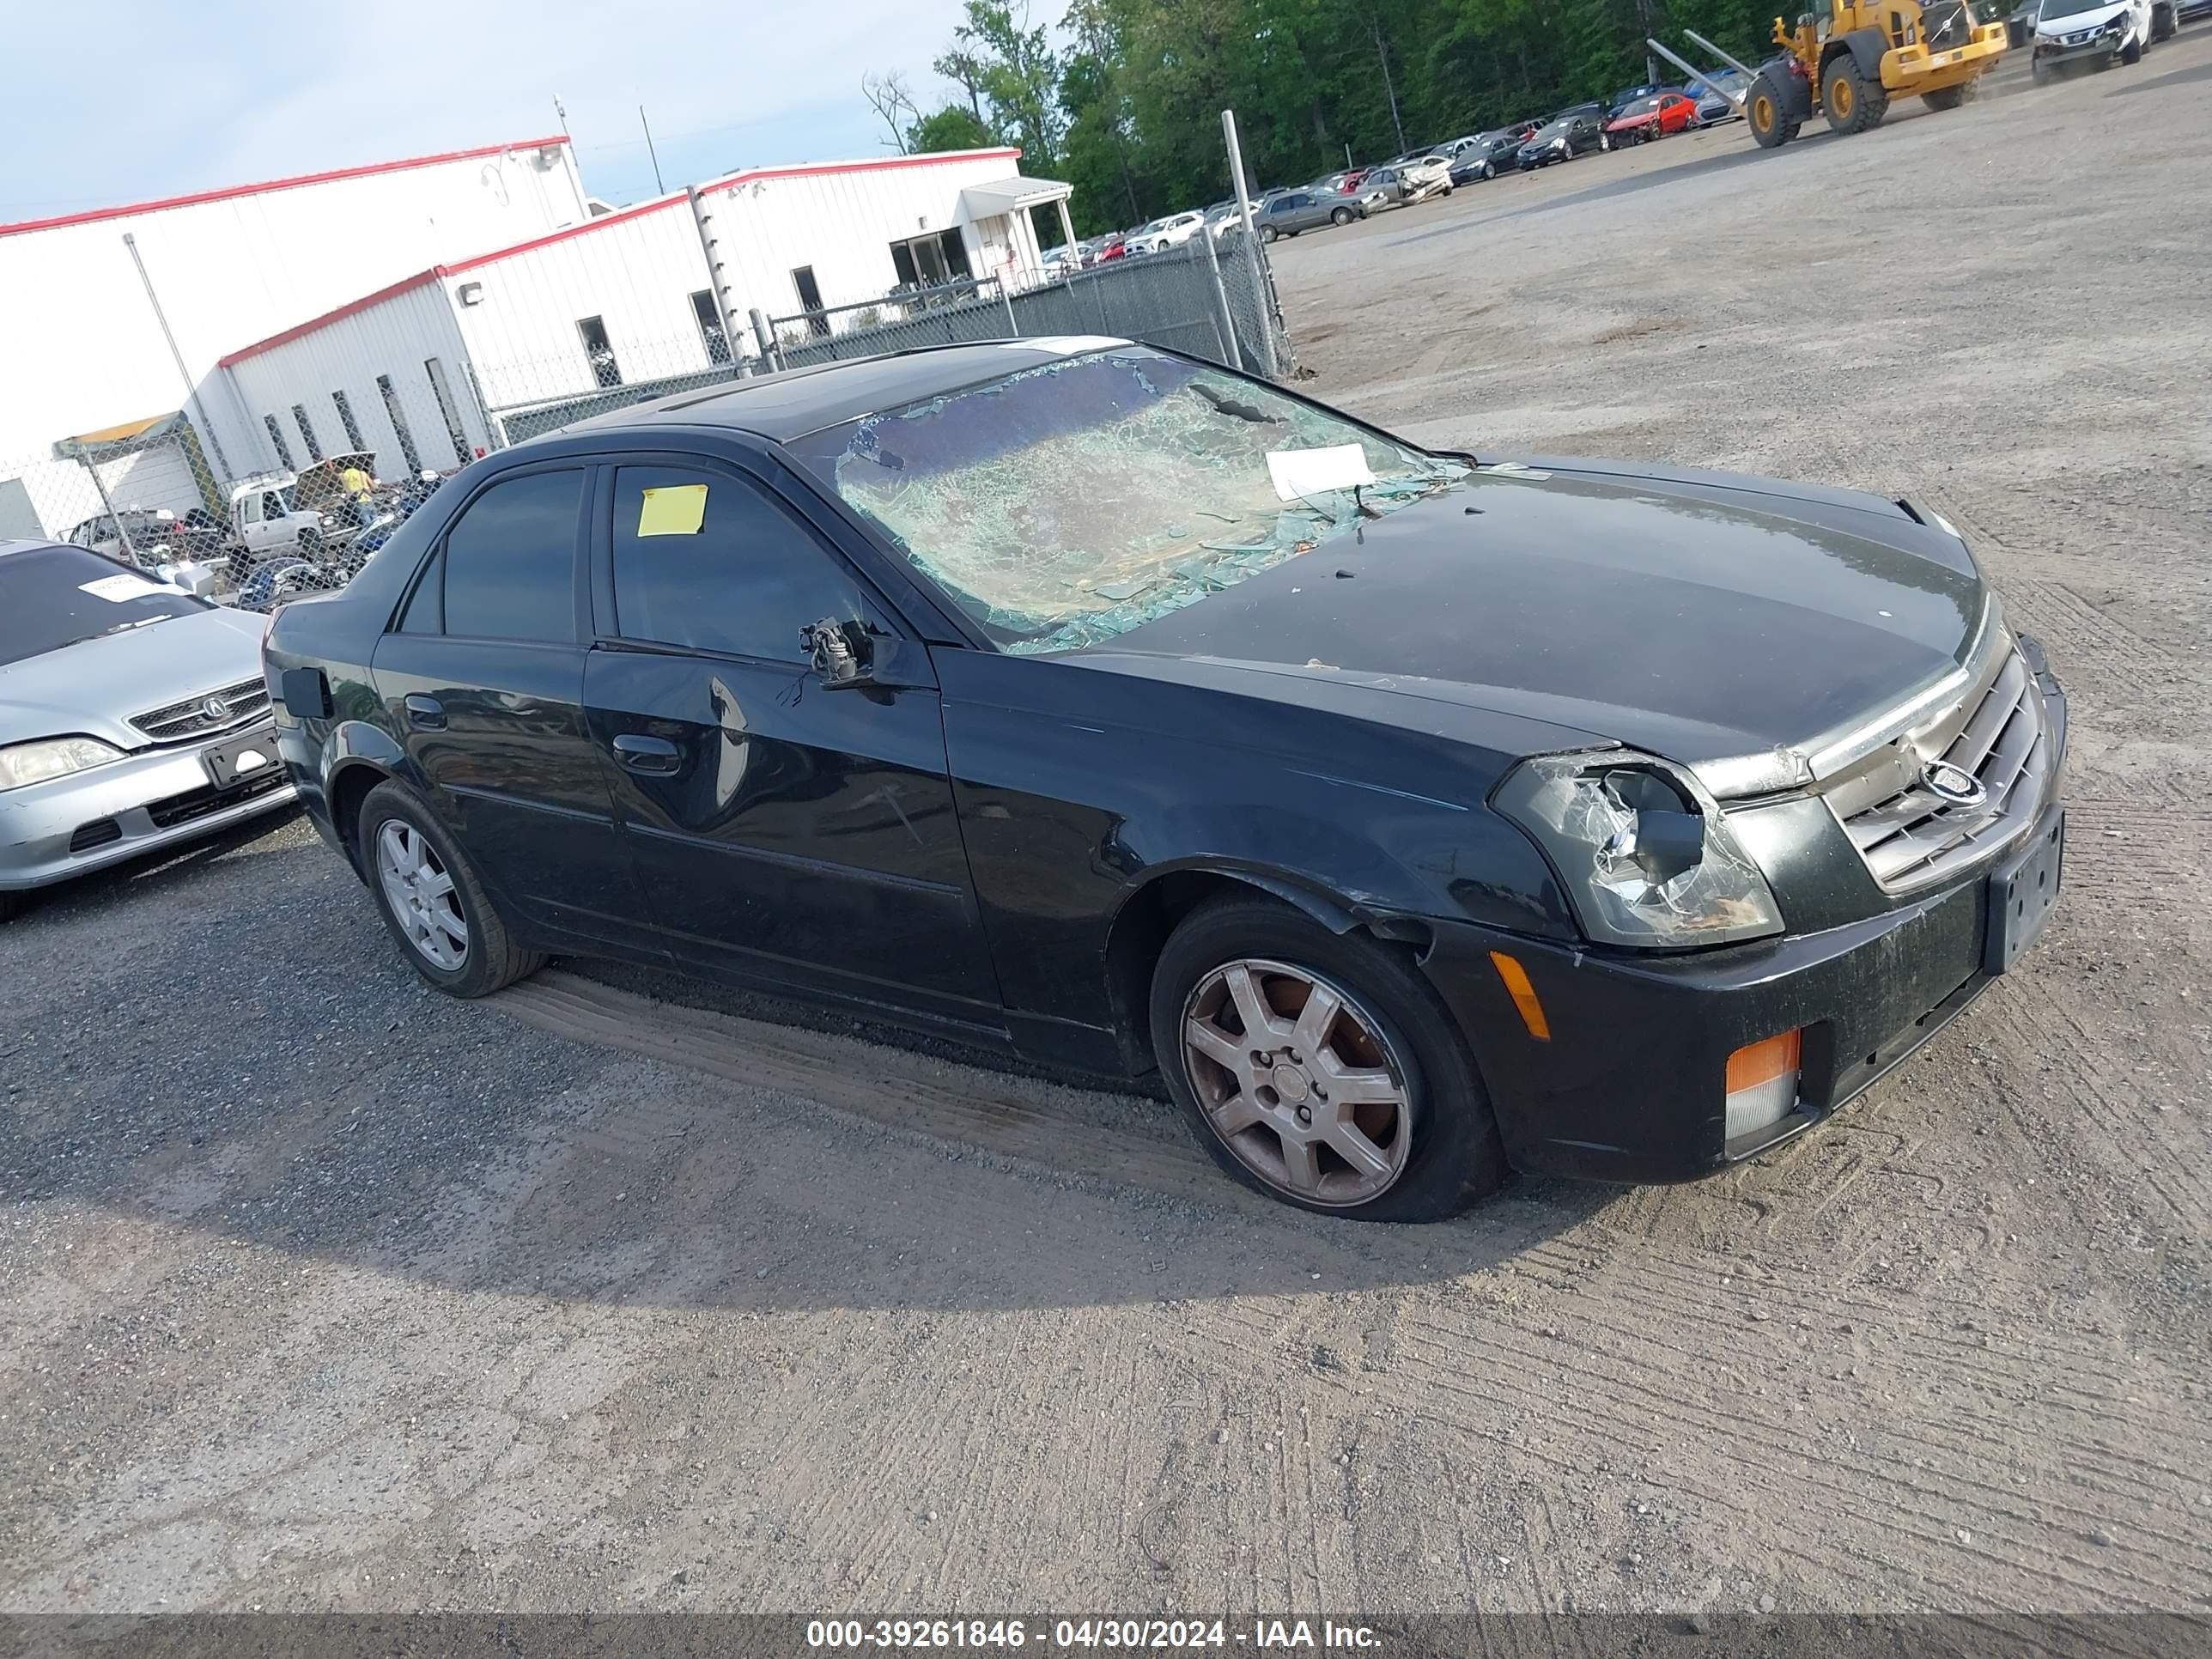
(248, 699)
(1911, 837)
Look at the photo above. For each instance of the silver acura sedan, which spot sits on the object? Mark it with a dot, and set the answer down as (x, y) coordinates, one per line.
(132, 714)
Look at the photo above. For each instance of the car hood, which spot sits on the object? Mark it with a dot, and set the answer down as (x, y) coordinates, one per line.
(1716, 624)
(94, 686)
(2054, 28)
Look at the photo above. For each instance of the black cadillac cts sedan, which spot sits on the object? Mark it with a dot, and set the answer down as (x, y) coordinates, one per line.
(1419, 815)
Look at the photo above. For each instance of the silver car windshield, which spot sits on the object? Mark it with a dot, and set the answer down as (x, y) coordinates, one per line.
(1063, 504)
(52, 596)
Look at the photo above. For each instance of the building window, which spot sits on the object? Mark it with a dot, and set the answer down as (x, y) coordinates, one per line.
(447, 407)
(399, 424)
(930, 261)
(346, 420)
(307, 432)
(712, 334)
(810, 299)
(598, 352)
(276, 438)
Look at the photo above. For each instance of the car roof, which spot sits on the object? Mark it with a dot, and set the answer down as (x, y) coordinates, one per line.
(32, 545)
(797, 401)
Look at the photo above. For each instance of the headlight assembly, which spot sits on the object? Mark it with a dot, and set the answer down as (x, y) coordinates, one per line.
(1643, 850)
(22, 763)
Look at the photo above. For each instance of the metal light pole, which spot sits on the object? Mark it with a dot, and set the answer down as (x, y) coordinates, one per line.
(191, 392)
(725, 299)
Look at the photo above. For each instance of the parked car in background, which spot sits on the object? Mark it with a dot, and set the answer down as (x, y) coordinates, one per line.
(1223, 217)
(1713, 100)
(1620, 100)
(132, 715)
(1297, 210)
(1345, 182)
(152, 538)
(1565, 138)
(1633, 890)
(1163, 233)
(1402, 184)
(1492, 153)
(2096, 34)
(1115, 246)
(1643, 119)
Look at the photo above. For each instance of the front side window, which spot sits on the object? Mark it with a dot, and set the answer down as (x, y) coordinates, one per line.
(510, 561)
(1066, 504)
(705, 560)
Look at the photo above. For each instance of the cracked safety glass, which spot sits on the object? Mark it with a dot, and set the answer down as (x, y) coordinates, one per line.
(1063, 504)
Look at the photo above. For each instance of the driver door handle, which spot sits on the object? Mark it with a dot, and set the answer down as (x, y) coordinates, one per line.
(643, 754)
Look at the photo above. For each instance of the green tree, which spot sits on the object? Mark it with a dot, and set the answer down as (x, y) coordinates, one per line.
(950, 128)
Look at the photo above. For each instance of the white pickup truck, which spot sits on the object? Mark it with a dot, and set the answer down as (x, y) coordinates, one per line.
(307, 513)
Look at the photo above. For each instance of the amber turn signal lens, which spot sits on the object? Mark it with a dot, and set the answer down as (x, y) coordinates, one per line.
(1523, 994)
(1762, 1062)
(1762, 1084)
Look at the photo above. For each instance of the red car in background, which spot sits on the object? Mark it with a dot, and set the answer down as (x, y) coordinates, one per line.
(1114, 247)
(1652, 117)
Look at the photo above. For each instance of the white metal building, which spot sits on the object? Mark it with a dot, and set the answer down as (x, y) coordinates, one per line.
(630, 297)
(123, 314)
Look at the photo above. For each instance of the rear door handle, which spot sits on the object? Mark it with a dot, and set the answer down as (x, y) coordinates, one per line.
(427, 712)
(642, 754)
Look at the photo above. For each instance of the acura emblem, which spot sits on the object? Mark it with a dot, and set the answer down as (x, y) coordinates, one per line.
(216, 708)
(1953, 784)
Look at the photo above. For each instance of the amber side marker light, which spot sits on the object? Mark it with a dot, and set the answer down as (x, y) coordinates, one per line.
(1762, 1083)
(1523, 994)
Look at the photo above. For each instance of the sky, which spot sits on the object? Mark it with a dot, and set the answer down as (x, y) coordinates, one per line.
(244, 90)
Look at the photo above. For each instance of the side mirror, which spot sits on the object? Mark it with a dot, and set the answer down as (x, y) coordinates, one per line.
(840, 651)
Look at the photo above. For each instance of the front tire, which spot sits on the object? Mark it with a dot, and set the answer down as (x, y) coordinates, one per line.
(1488, 171)
(1269, 232)
(432, 899)
(2131, 53)
(1847, 99)
(1341, 216)
(1259, 1014)
(1762, 112)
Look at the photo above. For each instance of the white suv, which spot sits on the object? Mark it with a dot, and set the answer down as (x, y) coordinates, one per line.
(2096, 33)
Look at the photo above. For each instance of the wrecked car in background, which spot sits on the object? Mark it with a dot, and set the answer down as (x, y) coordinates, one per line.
(1417, 815)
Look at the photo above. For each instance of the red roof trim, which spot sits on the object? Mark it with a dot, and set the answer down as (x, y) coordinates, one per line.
(799, 171)
(329, 316)
(229, 191)
(605, 219)
(807, 169)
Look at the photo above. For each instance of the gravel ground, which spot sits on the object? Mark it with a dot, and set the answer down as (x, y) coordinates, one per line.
(319, 1291)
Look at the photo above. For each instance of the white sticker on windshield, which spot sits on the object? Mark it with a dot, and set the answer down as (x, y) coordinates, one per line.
(1299, 473)
(117, 588)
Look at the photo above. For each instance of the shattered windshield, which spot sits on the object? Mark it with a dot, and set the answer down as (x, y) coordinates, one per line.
(1066, 504)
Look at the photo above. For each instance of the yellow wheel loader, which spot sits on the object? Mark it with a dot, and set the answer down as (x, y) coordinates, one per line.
(1850, 60)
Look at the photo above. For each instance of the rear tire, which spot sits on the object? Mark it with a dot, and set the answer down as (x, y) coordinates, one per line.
(1763, 111)
(2162, 24)
(1944, 98)
(1845, 97)
(1434, 1150)
(489, 960)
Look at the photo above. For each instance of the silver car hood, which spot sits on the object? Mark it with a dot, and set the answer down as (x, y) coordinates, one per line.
(95, 686)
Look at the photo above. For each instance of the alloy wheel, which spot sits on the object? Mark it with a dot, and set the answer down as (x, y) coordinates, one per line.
(420, 890)
(1299, 1080)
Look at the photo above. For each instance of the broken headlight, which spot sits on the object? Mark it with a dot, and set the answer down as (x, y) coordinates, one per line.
(1643, 850)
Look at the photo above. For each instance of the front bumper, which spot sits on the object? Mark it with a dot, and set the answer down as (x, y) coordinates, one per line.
(70, 826)
(1632, 1083)
(2101, 50)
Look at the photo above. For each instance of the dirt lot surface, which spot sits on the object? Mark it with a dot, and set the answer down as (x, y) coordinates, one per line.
(319, 1291)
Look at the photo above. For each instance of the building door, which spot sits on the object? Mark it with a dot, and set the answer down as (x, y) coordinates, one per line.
(810, 299)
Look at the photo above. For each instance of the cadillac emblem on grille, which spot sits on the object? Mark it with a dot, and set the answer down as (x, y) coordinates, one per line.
(1953, 784)
(216, 708)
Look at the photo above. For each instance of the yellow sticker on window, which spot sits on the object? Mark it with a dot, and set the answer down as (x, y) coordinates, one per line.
(672, 510)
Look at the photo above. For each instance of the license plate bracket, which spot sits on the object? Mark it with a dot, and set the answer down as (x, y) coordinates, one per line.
(241, 759)
(2021, 892)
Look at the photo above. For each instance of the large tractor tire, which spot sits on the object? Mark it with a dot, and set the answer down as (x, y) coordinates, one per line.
(1845, 96)
(1944, 98)
(1764, 113)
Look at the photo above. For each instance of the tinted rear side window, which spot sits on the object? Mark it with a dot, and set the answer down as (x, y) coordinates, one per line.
(510, 561)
